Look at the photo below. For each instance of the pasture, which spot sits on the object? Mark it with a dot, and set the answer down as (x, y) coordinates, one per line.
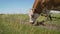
(19, 24)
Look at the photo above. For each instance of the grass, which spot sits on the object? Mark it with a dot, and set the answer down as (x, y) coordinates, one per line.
(16, 24)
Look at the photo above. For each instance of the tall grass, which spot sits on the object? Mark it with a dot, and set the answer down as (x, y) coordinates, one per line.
(16, 24)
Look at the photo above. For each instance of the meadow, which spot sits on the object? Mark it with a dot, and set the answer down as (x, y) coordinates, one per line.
(19, 24)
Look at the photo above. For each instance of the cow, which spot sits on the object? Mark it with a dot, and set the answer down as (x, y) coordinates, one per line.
(42, 6)
(37, 9)
(51, 5)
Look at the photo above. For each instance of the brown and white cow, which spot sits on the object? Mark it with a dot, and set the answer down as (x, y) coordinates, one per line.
(36, 10)
(42, 6)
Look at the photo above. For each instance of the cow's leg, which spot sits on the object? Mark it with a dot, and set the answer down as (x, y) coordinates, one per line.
(48, 14)
(33, 17)
(50, 17)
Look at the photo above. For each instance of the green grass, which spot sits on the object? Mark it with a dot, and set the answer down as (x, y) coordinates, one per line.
(16, 24)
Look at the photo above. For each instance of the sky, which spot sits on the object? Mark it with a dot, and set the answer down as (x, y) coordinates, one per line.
(15, 6)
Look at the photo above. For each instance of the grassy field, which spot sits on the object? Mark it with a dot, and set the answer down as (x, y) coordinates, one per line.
(18, 24)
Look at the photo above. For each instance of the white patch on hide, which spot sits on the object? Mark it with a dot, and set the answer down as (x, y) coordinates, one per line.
(35, 16)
